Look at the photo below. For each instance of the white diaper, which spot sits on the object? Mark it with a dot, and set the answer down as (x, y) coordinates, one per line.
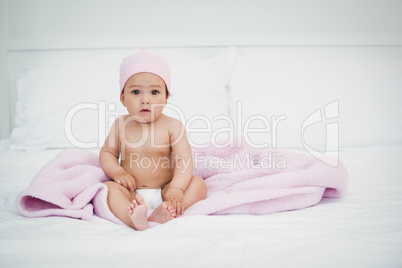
(152, 197)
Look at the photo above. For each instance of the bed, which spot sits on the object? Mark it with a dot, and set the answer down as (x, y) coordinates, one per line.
(361, 229)
(335, 96)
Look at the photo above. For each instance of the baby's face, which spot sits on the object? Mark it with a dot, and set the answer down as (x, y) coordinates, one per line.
(144, 97)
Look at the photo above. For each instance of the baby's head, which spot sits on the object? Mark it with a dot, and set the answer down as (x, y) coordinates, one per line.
(144, 62)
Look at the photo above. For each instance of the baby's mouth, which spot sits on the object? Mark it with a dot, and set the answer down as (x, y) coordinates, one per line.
(145, 110)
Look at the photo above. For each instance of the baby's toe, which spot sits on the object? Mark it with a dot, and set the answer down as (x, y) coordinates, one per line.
(169, 206)
(171, 209)
(172, 215)
(139, 200)
(130, 211)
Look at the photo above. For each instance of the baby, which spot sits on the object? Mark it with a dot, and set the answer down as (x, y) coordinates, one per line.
(155, 170)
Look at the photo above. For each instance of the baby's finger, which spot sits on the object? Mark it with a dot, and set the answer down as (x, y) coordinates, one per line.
(132, 179)
(181, 208)
(178, 208)
(174, 205)
(130, 185)
(124, 182)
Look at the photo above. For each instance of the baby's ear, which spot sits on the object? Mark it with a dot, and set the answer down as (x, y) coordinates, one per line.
(122, 99)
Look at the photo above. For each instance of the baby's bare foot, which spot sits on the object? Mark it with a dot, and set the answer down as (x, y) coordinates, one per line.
(163, 213)
(137, 211)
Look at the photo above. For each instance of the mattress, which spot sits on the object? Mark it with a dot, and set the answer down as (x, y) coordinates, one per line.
(361, 229)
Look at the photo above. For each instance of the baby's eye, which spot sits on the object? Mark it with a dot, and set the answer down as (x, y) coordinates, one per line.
(136, 92)
(155, 92)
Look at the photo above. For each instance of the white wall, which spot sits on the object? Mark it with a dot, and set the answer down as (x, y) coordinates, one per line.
(4, 92)
(30, 28)
(106, 18)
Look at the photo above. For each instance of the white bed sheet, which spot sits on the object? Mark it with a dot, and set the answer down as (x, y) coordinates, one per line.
(362, 229)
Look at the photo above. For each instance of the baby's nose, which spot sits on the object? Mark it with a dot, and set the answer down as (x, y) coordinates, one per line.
(144, 101)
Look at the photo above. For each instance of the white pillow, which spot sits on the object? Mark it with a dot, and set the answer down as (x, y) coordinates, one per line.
(49, 96)
(200, 94)
(328, 103)
(74, 105)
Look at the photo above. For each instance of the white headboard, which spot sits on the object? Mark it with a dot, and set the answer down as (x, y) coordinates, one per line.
(35, 33)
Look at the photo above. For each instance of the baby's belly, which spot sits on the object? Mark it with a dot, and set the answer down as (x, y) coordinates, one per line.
(149, 173)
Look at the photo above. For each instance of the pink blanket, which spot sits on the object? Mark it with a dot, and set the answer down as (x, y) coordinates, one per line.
(240, 181)
(70, 185)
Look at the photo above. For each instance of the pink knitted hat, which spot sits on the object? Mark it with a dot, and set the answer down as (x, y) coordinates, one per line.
(144, 62)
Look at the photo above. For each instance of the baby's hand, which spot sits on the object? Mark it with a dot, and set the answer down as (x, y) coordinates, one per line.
(125, 179)
(175, 198)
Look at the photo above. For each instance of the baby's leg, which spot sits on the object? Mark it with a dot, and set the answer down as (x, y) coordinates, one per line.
(118, 199)
(195, 192)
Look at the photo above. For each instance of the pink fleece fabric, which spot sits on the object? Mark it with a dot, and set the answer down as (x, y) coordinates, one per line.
(72, 184)
(263, 181)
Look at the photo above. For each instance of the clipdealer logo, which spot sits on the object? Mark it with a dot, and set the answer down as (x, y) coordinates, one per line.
(331, 114)
(327, 115)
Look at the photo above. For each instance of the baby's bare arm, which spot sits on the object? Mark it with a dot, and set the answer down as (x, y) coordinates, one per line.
(109, 159)
(181, 150)
(183, 167)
